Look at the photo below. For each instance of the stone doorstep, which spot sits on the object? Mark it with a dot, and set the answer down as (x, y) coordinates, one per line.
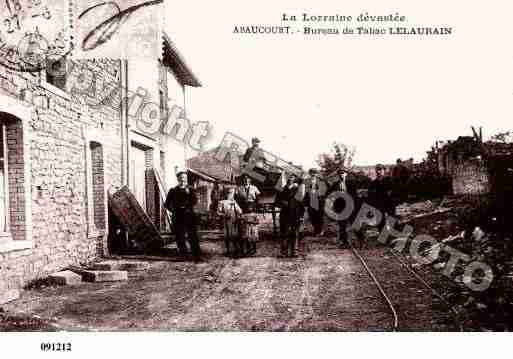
(120, 266)
(9, 296)
(105, 276)
(101, 276)
(66, 277)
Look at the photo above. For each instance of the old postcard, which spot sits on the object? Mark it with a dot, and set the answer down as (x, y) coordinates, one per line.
(293, 166)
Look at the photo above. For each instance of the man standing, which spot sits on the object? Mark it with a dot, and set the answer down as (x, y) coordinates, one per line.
(290, 216)
(380, 195)
(400, 178)
(180, 202)
(247, 195)
(314, 201)
(339, 204)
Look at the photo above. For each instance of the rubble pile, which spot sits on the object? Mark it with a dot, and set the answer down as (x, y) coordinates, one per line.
(10, 322)
(409, 211)
(475, 232)
(492, 308)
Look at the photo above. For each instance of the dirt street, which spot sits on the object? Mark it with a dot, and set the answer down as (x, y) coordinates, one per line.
(325, 289)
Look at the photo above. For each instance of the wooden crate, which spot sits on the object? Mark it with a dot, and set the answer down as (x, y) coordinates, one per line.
(142, 232)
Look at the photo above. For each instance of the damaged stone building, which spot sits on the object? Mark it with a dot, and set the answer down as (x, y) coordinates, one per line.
(475, 167)
(62, 152)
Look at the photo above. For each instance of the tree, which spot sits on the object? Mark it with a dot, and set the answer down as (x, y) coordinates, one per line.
(327, 163)
(339, 156)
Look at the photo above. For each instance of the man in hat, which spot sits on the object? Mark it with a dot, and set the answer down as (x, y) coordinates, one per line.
(380, 195)
(253, 151)
(339, 204)
(314, 201)
(291, 211)
(253, 160)
(180, 201)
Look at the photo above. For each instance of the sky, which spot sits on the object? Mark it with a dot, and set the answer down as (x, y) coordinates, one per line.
(390, 97)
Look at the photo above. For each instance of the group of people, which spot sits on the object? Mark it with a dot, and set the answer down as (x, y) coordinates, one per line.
(299, 195)
(240, 228)
(379, 195)
(313, 202)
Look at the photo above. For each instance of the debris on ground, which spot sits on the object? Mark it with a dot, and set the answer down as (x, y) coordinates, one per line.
(10, 322)
(468, 228)
(410, 210)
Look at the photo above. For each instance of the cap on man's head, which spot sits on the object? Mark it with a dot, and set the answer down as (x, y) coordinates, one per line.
(255, 140)
(179, 173)
(313, 171)
(379, 166)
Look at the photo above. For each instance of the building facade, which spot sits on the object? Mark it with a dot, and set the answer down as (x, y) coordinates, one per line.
(59, 155)
(65, 144)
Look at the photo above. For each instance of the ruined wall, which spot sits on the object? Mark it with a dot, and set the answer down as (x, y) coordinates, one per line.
(470, 177)
(61, 126)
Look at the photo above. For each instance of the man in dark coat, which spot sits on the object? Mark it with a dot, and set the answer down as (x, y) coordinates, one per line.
(380, 195)
(314, 201)
(339, 204)
(290, 216)
(399, 180)
(180, 202)
(254, 160)
(254, 152)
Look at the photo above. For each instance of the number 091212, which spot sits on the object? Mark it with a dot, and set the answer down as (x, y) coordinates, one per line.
(56, 347)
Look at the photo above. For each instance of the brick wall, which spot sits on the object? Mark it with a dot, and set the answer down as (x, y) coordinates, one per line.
(16, 178)
(57, 152)
(98, 185)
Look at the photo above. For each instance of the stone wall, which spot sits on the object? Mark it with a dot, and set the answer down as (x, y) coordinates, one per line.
(470, 177)
(60, 128)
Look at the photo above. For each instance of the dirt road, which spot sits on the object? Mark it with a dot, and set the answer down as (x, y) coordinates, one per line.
(326, 288)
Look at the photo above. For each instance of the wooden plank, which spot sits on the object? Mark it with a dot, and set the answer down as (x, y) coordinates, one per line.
(163, 194)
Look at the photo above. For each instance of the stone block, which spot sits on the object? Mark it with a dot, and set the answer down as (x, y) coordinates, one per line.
(65, 278)
(9, 296)
(120, 266)
(104, 276)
